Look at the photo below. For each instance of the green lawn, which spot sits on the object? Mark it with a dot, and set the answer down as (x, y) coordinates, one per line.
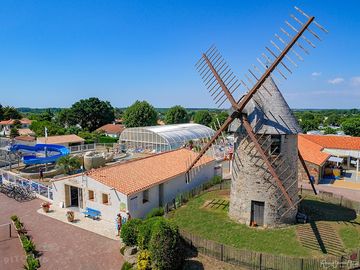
(214, 224)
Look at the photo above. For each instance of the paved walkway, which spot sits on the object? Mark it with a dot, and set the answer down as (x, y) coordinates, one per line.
(12, 255)
(353, 195)
(64, 246)
(100, 226)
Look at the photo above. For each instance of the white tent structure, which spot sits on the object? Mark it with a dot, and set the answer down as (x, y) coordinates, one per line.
(163, 138)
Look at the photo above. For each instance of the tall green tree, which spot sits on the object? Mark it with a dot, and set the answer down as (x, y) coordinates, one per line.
(11, 113)
(219, 118)
(176, 115)
(1, 112)
(69, 163)
(92, 113)
(52, 128)
(65, 118)
(14, 132)
(140, 114)
(351, 126)
(203, 117)
(48, 115)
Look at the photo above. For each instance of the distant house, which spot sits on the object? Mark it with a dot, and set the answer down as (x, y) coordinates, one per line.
(136, 186)
(321, 152)
(26, 132)
(112, 130)
(24, 139)
(7, 125)
(65, 140)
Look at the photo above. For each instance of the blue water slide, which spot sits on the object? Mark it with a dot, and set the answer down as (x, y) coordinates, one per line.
(32, 159)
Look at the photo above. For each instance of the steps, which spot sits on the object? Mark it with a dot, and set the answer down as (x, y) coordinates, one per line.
(320, 236)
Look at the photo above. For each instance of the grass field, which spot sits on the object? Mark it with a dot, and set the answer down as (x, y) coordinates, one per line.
(214, 224)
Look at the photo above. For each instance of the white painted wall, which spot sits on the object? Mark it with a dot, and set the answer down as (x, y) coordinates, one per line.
(172, 188)
(134, 203)
(108, 211)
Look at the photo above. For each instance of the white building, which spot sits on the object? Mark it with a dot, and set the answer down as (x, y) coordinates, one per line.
(65, 140)
(136, 186)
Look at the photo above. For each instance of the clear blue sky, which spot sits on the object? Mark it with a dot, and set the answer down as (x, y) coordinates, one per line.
(56, 52)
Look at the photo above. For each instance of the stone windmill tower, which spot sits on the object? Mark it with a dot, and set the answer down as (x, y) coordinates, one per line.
(264, 187)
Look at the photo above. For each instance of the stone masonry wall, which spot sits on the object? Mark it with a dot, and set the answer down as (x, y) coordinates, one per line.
(252, 182)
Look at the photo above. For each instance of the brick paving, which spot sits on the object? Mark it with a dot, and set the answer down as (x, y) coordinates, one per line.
(11, 253)
(63, 246)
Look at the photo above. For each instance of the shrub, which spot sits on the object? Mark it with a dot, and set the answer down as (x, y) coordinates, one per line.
(28, 244)
(31, 263)
(145, 231)
(14, 218)
(155, 212)
(129, 231)
(143, 260)
(164, 246)
(122, 250)
(127, 266)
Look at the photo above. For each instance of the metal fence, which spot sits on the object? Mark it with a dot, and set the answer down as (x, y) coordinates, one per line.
(92, 147)
(257, 260)
(41, 190)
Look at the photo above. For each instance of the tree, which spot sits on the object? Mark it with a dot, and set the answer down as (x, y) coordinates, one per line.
(219, 118)
(351, 126)
(46, 116)
(1, 112)
(65, 118)
(92, 113)
(307, 125)
(176, 115)
(69, 163)
(140, 114)
(333, 120)
(52, 128)
(203, 117)
(329, 130)
(164, 246)
(14, 132)
(11, 113)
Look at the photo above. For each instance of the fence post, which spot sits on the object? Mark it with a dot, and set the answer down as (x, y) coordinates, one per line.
(10, 230)
(222, 252)
(302, 263)
(260, 261)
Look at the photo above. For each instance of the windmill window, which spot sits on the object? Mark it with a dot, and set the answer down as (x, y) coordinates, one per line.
(275, 148)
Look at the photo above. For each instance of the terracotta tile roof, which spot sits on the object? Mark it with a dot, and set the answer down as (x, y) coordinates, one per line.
(141, 174)
(25, 131)
(335, 142)
(11, 121)
(112, 128)
(25, 138)
(72, 138)
(311, 151)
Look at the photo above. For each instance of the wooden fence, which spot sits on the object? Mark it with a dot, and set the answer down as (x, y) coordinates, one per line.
(264, 261)
(257, 260)
(184, 197)
(334, 199)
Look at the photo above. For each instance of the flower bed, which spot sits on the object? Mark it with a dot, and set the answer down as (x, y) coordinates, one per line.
(32, 262)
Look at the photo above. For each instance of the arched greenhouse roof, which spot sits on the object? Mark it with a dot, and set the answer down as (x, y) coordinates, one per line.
(172, 135)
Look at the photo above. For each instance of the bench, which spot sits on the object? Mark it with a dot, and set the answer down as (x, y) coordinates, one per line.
(94, 214)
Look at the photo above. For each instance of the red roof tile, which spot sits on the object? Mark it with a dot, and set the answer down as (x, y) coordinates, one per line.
(112, 128)
(140, 174)
(310, 151)
(335, 142)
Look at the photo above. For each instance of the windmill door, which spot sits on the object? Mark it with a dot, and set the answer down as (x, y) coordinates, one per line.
(257, 212)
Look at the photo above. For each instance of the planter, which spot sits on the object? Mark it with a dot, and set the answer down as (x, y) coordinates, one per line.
(70, 215)
(46, 209)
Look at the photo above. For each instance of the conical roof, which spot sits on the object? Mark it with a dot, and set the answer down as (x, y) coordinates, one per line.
(268, 112)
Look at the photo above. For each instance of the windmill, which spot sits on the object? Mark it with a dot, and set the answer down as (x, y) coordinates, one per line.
(264, 188)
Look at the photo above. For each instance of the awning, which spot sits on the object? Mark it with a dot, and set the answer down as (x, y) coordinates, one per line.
(335, 159)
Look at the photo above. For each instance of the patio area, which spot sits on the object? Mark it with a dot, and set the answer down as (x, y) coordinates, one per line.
(63, 246)
(101, 227)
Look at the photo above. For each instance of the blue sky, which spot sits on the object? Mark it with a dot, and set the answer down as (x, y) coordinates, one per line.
(55, 52)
